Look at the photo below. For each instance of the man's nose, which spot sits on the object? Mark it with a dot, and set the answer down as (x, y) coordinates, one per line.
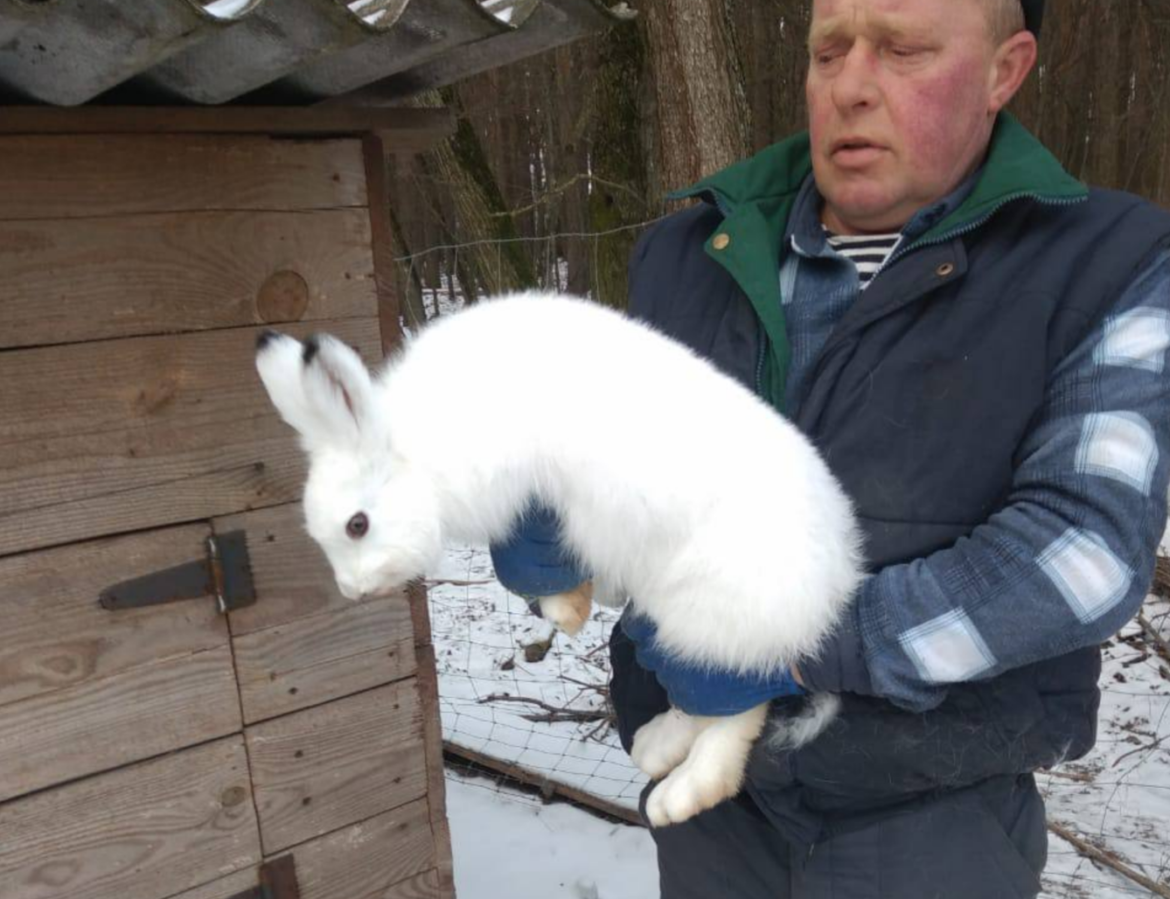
(855, 85)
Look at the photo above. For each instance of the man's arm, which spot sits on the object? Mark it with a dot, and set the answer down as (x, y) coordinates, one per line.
(1068, 560)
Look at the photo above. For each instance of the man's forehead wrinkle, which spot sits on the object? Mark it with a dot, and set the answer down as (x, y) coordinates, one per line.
(875, 24)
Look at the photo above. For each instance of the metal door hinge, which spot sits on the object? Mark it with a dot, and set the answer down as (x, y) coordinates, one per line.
(278, 880)
(226, 574)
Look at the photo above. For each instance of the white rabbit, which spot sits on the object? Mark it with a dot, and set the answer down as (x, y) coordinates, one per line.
(674, 484)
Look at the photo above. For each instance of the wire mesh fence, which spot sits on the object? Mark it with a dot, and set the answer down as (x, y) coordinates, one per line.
(430, 281)
(534, 705)
(514, 692)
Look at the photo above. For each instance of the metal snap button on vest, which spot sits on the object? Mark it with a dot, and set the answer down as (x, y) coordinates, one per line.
(721, 241)
(945, 269)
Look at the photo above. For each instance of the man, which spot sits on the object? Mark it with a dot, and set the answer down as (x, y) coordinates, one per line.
(978, 345)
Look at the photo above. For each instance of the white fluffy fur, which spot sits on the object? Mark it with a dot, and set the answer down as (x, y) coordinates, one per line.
(675, 485)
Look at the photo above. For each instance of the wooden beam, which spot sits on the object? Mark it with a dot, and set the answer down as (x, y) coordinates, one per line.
(326, 657)
(334, 765)
(401, 128)
(224, 887)
(428, 690)
(158, 274)
(144, 832)
(389, 856)
(99, 725)
(88, 176)
(374, 151)
(179, 427)
(547, 786)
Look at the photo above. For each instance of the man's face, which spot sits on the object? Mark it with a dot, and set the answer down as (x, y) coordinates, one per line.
(900, 106)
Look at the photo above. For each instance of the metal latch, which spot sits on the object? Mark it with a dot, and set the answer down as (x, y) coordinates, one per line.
(278, 880)
(226, 574)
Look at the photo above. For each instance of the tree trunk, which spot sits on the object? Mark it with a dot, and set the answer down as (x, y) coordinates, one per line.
(618, 188)
(703, 119)
(410, 281)
(498, 259)
(574, 147)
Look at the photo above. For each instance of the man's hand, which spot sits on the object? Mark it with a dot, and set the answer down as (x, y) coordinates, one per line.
(534, 565)
(704, 691)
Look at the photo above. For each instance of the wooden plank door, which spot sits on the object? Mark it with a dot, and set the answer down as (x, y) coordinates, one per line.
(168, 751)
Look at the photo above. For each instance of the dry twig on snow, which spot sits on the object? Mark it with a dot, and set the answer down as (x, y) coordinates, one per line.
(1158, 742)
(553, 714)
(1108, 859)
(1079, 776)
(1150, 631)
(453, 582)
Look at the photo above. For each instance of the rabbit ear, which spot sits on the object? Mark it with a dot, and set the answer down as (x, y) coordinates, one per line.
(337, 383)
(321, 387)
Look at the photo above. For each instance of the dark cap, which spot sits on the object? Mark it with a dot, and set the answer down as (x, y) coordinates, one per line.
(1033, 15)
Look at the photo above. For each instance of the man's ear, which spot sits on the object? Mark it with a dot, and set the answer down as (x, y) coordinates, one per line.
(320, 387)
(1014, 60)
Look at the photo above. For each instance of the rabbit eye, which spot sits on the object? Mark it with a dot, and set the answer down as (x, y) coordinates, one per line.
(357, 526)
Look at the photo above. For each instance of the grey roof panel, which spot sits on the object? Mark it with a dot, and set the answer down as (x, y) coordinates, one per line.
(13, 16)
(426, 30)
(270, 41)
(67, 52)
(551, 23)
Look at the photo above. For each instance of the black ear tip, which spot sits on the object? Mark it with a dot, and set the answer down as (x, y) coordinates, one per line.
(266, 337)
(312, 347)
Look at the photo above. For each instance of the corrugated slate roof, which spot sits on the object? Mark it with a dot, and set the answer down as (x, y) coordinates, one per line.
(69, 52)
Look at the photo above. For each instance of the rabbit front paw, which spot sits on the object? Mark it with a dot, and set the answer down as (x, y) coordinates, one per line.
(661, 744)
(690, 788)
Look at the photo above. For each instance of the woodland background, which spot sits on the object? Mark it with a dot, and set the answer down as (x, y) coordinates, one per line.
(559, 160)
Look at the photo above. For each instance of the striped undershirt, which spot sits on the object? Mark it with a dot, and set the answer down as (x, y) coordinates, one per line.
(867, 251)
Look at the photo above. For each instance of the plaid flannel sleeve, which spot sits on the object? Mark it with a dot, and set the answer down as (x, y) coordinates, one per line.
(1067, 561)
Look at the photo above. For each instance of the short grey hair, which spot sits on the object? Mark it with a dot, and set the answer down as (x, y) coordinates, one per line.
(1005, 18)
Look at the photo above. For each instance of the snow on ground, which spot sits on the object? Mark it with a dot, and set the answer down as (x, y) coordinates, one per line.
(507, 844)
(1120, 797)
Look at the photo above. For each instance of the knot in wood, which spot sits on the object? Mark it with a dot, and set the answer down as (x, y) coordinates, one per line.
(283, 297)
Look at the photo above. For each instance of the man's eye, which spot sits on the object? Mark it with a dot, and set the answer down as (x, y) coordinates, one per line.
(905, 52)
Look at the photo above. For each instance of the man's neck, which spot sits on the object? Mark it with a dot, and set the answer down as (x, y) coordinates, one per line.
(922, 219)
(838, 225)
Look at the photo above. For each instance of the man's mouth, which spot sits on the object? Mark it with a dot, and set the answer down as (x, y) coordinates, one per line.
(855, 151)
